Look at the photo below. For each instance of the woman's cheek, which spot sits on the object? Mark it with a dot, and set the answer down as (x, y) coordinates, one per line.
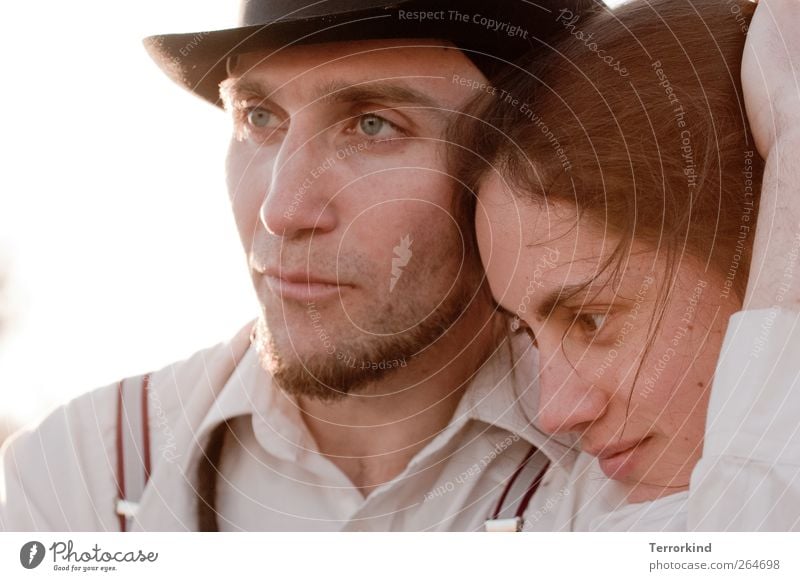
(598, 363)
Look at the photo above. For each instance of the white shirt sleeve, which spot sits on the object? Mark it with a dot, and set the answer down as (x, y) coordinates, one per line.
(58, 476)
(749, 476)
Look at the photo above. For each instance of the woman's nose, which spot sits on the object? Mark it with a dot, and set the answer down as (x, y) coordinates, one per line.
(567, 401)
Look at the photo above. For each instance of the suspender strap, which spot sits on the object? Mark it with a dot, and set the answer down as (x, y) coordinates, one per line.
(527, 478)
(133, 447)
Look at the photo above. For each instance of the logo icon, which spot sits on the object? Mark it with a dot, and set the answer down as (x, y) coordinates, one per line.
(402, 255)
(31, 554)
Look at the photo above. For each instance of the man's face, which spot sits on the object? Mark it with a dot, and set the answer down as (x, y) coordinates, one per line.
(344, 206)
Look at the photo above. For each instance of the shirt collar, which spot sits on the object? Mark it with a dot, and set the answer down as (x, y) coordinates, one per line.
(503, 393)
(242, 394)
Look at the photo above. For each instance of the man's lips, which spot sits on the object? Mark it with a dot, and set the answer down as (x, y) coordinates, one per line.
(300, 277)
(302, 286)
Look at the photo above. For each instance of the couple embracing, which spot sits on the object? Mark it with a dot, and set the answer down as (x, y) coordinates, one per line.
(539, 281)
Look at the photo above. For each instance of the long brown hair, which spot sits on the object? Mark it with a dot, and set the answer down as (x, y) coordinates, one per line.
(636, 116)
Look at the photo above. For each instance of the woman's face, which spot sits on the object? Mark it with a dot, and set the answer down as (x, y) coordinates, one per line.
(638, 405)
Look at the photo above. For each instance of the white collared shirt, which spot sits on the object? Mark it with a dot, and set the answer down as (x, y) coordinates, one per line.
(61, 475)
(274, 478)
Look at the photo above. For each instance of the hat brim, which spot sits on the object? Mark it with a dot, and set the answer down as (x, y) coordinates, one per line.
(197, 61)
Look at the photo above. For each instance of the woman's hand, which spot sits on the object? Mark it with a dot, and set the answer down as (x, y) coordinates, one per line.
(771, 73)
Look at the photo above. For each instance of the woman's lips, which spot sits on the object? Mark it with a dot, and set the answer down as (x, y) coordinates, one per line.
(618, 462)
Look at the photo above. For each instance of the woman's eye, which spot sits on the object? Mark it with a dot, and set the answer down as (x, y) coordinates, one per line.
(373, 126)
(592, 322)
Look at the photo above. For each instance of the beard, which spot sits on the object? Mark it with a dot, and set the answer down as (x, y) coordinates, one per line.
(353, 359)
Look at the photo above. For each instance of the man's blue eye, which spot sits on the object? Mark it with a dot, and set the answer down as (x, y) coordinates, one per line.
(259, 117)
(372, 124)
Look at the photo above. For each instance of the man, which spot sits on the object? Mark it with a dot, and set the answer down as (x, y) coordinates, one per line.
(375, 391)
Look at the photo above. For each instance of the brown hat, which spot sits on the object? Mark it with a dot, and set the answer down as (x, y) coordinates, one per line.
(490, 33)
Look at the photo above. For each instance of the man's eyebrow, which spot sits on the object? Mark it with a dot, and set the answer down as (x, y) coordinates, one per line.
(392, 92)
(232, 88)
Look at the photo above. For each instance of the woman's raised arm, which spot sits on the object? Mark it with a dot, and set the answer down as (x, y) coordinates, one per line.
(749, 475)
(771, 84)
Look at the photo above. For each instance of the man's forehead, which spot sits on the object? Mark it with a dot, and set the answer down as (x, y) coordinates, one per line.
(410, 71)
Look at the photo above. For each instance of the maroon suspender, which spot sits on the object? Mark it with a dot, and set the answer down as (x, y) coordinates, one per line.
(146, 427)
(136, 447)
(495, 523)
(120, 460)
(523, 505)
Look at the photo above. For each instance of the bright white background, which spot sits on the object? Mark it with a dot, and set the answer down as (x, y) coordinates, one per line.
(114, 221)
(113, 207)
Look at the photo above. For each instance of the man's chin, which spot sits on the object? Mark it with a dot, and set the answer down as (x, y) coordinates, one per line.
(329, 373)
(322, 376)
(316, 359)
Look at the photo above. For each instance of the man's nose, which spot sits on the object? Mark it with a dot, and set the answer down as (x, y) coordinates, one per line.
(300, 196)
(567, 401)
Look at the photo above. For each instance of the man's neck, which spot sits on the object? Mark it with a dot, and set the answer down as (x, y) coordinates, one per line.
(371, 436)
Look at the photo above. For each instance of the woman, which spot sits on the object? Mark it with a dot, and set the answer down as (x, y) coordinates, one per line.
(617, 187)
